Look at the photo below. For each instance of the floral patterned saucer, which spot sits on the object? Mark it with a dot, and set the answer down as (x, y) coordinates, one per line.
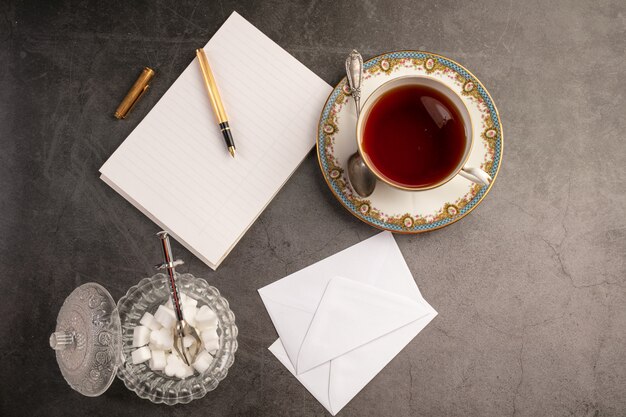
(390, 208)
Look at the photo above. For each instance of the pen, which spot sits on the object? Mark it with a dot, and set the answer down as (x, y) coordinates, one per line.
(216, 101)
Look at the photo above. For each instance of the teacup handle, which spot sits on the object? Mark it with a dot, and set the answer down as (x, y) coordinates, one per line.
(476, 175)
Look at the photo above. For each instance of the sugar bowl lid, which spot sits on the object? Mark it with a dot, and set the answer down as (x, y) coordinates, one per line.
(87, 339)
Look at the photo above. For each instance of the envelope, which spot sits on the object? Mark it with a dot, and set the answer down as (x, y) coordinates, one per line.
(341, 320)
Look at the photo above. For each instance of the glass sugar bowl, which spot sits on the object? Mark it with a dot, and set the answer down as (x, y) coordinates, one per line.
(147, 296)
(93, 340)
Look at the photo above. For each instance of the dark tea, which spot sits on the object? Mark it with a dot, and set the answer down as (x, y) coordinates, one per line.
(414, 136)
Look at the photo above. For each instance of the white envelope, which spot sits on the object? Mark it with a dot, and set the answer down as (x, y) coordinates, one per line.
(341, 320)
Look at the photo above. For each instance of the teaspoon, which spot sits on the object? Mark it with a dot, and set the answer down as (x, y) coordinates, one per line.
(360, 176)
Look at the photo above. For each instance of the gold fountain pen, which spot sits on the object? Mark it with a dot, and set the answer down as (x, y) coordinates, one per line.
(216, 101)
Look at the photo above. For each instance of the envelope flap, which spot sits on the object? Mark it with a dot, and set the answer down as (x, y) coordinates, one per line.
(351, 314)
(290, 321)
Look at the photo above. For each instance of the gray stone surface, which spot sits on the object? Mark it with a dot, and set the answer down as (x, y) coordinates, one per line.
(530, 288)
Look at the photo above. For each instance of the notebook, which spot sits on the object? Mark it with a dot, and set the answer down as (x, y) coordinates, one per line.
(175, 166)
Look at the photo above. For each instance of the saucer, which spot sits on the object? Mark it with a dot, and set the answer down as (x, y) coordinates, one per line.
(389, 208)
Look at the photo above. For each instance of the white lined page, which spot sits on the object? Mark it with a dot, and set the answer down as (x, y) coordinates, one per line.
(175, 166)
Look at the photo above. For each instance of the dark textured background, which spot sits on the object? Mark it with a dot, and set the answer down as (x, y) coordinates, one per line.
(530, 288)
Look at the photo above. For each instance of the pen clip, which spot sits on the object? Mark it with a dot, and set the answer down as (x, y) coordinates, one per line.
(143, 91)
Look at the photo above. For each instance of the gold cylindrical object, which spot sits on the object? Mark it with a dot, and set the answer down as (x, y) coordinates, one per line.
(135, 93)
(211, 87)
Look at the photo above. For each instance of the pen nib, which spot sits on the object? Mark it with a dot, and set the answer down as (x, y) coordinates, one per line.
(231, 149)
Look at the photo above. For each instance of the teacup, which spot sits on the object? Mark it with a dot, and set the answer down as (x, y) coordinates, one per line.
(415, 133)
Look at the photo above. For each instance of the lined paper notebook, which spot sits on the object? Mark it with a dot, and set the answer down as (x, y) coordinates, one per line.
(175, 166)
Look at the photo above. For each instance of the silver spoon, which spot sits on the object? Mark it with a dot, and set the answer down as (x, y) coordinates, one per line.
(182, 328)
(360, 176)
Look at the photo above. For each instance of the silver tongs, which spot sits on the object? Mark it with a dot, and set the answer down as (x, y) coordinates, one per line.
(182, 328)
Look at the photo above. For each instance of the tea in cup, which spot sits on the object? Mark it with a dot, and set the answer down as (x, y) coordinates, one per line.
(415, 133)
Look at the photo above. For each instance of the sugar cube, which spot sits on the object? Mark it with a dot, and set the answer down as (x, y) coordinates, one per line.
(141, 336)
(141, 355)
(210, 339)
(173, 358)
(157, 361)
(189, 313)
(183, 371)
(188, 341)
(203, 361)
(165, 317)
(155, 339)
(182, 298)
(166, 338)
(205, 318)
(187, 371)
(170, 369)
(150, 322)
(191, 302)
